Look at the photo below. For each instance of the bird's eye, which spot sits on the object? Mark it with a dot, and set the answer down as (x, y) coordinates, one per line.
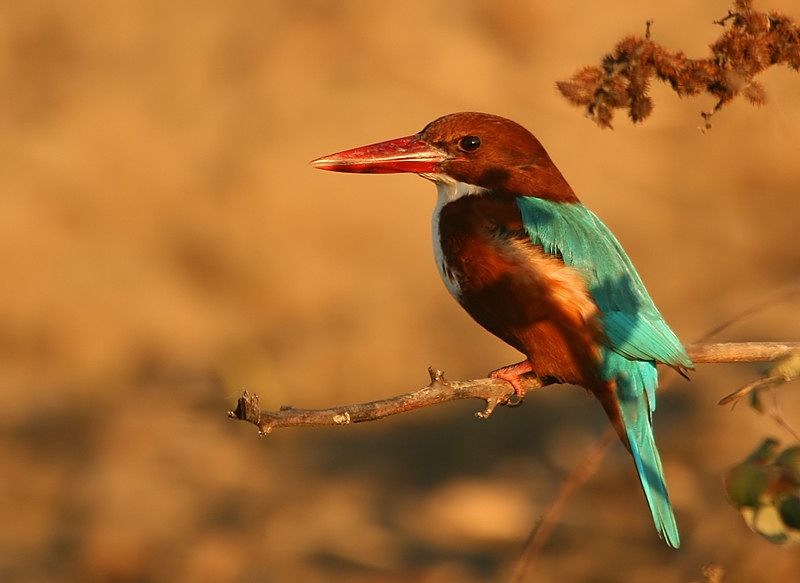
(469, 143)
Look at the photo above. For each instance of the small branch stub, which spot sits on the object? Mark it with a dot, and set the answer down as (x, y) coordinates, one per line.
(247, 409)
(343, 419)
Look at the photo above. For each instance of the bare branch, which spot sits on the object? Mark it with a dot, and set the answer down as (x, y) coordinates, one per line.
(740, 351)
(493, 392)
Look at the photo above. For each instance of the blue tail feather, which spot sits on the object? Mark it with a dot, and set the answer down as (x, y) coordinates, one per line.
(636, 384)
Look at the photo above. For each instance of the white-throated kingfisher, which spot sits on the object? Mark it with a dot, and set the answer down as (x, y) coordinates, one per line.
(539, 270)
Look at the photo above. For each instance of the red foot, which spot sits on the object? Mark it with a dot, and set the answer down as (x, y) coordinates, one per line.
(511, 375)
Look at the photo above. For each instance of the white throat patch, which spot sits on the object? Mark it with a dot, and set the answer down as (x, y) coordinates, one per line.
(448, 190)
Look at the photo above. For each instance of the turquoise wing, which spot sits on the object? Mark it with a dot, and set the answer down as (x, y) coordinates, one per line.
(634, 326)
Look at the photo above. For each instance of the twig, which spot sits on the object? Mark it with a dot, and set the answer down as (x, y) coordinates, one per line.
(756, 385)
(493, 391)
(783, 293)
(777, 414)
(569, 487)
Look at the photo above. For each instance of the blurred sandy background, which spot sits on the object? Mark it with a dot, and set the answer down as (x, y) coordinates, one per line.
(164, 243)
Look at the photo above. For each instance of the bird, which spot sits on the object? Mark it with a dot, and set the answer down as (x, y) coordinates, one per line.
(535, 267)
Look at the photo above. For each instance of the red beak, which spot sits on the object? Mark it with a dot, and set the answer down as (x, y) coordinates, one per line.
(409, 154)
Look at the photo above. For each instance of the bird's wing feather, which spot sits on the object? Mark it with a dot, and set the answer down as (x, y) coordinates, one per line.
(631, 321)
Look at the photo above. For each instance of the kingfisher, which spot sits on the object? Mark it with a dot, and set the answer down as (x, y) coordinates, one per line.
(536, 268)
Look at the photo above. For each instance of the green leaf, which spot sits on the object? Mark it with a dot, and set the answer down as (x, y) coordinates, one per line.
(790, 512)
(789, 463)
